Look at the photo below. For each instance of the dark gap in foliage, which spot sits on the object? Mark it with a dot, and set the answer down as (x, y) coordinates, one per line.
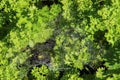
(98, 4)
(2, 9)
(49, 2)
(29, 75)
(7, 24)
(5, 29)
(112, 55)
(41, 3)
(99, 37)
(101, 3)
(87, 69)
(61, 74)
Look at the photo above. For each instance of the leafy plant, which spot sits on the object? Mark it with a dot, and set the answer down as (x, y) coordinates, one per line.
(85, 34)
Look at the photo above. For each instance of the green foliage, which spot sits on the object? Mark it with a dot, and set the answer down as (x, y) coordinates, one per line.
(89, 30)
(25, 25)
(72, 74)
(39, 73)
(86, 32)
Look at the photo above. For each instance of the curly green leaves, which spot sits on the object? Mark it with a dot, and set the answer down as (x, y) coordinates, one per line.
(40, 73)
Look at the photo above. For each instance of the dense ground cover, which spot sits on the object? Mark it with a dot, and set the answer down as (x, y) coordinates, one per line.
(59, 40)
